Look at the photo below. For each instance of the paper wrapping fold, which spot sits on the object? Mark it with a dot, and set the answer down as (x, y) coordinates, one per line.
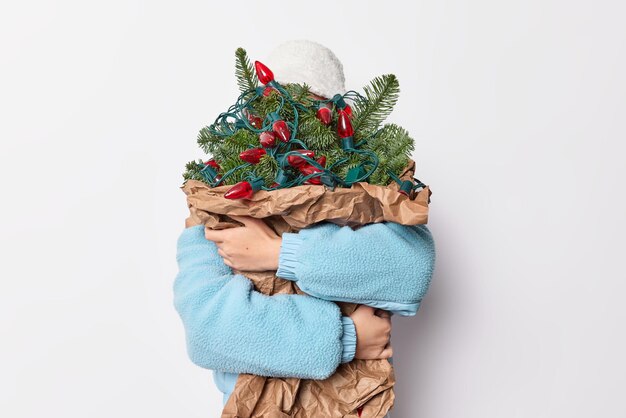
(366, 384)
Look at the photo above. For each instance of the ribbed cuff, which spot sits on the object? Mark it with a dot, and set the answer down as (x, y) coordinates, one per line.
(288, 256)
(348, 339)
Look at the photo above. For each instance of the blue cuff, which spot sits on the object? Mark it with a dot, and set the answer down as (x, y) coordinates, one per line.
(348, 339)
(288, 256)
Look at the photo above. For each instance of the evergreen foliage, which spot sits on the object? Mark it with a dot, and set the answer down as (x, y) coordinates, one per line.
(373, 108)
(246, 76)
(224, 141)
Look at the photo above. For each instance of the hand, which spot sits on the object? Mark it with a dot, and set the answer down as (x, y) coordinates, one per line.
(252, 247)
(373, 332)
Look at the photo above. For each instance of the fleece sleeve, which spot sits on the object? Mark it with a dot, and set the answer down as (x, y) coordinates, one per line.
(233, 328)
(385, 265)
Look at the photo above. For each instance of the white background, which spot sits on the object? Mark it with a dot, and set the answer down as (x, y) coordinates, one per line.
(517, 108)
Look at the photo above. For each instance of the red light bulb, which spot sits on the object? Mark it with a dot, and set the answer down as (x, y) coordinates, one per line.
(267, 91)
(252, 155)
(213, 164)
(344, 126)
(267, 139)
(256, 121)
(264, 74)
(322, 161)
(324, 115)
(241, 190)
(309, 169)
(282, 130)
(297, 161)
(341, 104)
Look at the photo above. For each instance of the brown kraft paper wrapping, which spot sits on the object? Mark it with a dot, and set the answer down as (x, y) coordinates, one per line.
(366, 384)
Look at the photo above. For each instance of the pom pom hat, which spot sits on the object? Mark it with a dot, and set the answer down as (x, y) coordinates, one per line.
(302, 61)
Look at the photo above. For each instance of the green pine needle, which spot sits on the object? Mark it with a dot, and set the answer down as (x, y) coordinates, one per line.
(393, 145)
(192, 170)
(267, 168)
(372, 109)
(244, 71)
(209, 142)
(317, 134)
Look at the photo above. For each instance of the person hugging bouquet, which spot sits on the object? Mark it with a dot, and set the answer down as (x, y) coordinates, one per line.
(306, 233)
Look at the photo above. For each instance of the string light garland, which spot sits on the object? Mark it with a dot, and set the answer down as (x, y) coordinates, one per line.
(272, 143)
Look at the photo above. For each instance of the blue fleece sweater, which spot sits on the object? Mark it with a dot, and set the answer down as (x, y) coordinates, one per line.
(385, 265)
(233, 329)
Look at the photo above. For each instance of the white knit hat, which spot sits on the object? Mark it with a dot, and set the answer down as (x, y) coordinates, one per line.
(303, 61)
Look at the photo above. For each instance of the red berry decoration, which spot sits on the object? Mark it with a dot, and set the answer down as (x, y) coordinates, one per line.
(324, 115)
(267, 139)
(264, 74)
(282, 130)
(344, 126)
(241, 190)
(297, 161)
(252, 155)
(213, 164)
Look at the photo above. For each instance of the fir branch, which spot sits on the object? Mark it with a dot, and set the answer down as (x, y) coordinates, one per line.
(265, 105)
(228, 163)
(393, 146)
(192, 170)
(354, 160)
(372, 109)
(299, 92)
(232, 146)
(207, 141)
(267, 168)
(244, 71)
(332, 155)
(316, 134)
